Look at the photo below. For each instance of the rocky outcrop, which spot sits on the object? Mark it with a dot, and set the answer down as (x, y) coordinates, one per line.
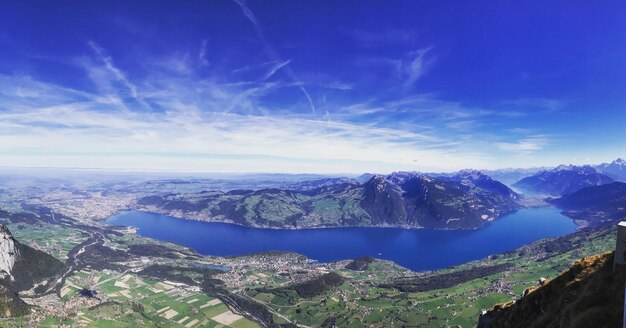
(589, 294)
(8, 253)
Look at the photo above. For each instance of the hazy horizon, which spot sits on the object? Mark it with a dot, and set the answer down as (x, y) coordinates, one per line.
(166, 172)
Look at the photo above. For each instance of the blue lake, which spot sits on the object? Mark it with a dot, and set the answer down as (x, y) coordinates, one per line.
(420, 249)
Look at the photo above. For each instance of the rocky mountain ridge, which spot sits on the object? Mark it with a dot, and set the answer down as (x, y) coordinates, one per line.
(616, 169)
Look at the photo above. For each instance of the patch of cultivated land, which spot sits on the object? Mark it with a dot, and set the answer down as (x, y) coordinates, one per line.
(130, 300)
(53, 239)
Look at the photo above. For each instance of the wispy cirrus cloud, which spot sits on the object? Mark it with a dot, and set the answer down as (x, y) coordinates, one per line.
(111, 69)
(276, 68)
(162, 119)
(415, 65)
(407, 69)
(110, 80)
(185, 128)
(271, 52)
(195, 121)
(180, 63)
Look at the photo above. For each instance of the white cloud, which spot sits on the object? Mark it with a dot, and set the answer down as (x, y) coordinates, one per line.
(196, 127)
(272, 54)
(275, 69)
(546, 104)
(76, 129)
(526, 145)
(177, 64)
(174, 121)
(407, 69)
(111, 69)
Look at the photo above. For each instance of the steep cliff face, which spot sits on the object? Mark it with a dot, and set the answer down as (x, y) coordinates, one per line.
(8, 253)
(10, 303)
(31, 266)
(589, 294)
(21, 267)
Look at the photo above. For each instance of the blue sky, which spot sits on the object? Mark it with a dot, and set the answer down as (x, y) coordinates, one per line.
(315, 86)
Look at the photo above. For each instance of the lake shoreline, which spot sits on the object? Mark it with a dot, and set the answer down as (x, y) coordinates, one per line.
(416, 249)
(405, 227)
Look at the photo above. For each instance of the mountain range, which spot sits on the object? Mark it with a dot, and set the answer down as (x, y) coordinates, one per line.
(615, 169)
(509, 176)
(466, 200)
(562, 180)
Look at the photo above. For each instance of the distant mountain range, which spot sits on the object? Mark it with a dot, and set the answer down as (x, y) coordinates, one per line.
(615, 169)
(249, 182)
(562, 180)
(320, 183)
(466, 200)
(511, 175)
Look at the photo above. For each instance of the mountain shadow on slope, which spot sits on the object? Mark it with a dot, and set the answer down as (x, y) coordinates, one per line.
(597, 205)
